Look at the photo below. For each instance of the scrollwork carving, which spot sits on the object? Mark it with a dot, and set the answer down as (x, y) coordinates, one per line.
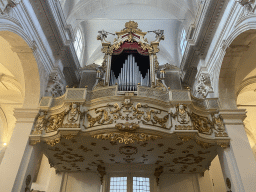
(202, 124)
(55, 121)
(126, 137)
(40, 123)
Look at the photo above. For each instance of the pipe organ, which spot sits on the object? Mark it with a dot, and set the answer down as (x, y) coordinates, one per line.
(131, 60)
(130, 76)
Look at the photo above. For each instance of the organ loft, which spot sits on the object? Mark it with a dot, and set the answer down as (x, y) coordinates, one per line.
(129, 111)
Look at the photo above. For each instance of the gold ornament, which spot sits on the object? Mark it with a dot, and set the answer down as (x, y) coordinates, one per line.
(126, 137)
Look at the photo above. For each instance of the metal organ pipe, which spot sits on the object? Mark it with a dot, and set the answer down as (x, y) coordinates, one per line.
(129, 76)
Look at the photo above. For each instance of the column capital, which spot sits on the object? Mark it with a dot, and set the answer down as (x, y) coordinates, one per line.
(233, 116)
(25, 115)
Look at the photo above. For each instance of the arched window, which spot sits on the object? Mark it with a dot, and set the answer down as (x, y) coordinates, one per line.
(183, 41)
(78, 44)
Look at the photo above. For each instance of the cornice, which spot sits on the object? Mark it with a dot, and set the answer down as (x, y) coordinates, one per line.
(233, 116)
(207, 30)
(59, 36)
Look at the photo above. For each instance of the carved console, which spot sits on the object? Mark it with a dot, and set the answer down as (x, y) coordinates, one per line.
(82, 123)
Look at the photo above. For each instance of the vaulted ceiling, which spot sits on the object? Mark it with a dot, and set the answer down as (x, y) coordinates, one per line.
(111, 15)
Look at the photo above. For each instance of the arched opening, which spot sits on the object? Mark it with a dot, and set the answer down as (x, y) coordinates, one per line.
(19, 82)
(237, 82)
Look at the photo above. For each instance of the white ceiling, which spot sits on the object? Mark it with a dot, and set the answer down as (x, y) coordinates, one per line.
(111, 15)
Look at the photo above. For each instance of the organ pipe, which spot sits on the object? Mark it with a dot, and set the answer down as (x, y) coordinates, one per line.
(129, 76)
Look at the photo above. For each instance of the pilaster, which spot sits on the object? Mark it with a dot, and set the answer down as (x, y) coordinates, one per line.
(237, 161)
(19, 155)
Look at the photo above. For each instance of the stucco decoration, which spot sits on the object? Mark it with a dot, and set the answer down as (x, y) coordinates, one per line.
(204, 85)
(5, 4)
(55, 87)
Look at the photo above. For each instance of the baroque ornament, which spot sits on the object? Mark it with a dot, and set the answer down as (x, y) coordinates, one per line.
(127, 126)
(182, 114)
(126, 137)
(204, 85)
(55, 87)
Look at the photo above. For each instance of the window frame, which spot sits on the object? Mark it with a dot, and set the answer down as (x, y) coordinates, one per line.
(152, 180)
(183, 41)
(79, 44)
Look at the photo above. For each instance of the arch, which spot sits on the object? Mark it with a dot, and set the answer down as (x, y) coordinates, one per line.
(234, 70)
(19, 77)
(31, 84)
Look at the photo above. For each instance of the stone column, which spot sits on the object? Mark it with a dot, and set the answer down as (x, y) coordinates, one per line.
(20, 158)
(237, 161)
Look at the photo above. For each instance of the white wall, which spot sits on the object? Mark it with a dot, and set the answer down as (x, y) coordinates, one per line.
(178, 183)
(82, 181)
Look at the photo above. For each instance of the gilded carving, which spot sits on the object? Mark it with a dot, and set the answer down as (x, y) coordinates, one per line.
(55, 121)
(223, 145)
(219, 126)
(185, 138)
(68, 137)
(40, 123)
(102, 118)
(74, 113)
(203, 144)
(183, 127)
(202, 124)
(154, 119)
(127, 126)
(34, 142)
(126, 137)
(53, 142)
